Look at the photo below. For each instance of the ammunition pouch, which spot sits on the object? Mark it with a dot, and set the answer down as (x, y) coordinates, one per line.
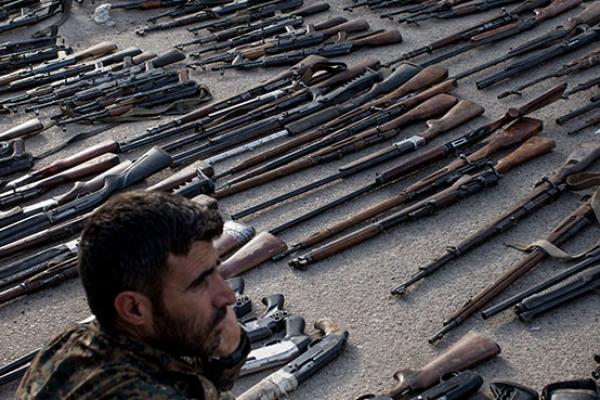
(583, 389)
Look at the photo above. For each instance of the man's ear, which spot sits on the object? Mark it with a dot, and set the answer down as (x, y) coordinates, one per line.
(133, 308)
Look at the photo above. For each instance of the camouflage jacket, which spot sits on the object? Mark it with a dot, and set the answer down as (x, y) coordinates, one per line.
(85, 362)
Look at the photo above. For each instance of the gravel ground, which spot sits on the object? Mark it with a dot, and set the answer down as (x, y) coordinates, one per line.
(386, 333)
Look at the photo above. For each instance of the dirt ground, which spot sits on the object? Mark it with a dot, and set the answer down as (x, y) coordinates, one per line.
(386, 333)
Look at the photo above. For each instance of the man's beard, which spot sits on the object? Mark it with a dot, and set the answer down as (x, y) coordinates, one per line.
(185, 337)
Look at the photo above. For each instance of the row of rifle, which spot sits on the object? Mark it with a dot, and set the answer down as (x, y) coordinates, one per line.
(273, 40)
(277, 337)
(25, 13)
(297, 100)
(363, 111)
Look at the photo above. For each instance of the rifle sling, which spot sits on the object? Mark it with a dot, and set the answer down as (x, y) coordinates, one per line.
(553, 250)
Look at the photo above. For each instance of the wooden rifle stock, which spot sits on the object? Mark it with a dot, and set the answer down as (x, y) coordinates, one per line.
(235, 234)
(108, 146)
(379, 39)
(471, 350)
(259, 249)
(26, 129)
(427, 77)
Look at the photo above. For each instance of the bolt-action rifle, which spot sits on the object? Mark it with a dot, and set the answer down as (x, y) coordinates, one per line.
(413, 79)
(546, 191)
(469, 351)
(458, 11)
(566, 229)
(489, 25)
(519, 131)
(467, 185)
(282, 166)
(574, 66)
(434, 106)
(555, 8)
(592, 105)
(581, 40)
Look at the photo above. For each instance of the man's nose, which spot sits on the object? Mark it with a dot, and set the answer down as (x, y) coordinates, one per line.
(225, 295)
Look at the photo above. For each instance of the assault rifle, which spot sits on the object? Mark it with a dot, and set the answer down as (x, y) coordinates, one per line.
(436, 105)
(566, 229)
(469, 351)
(519, 131)
(296, 107)
(425, 8)
(45, 78)
(187, 8)
(590, 260)
(212, 13)
(313, 34)
(574, 66)
(149, 163)
(146, 4)
(27, 44)
(36, 15)
(13, 157)
(258, 177)
(581, 40)
(97, 50)
(457, 11)
(489, 25)
(332, 49)
(467, 185)
(546, 191)
(34, 189)
(413, 79)
(18, 60)
(320, 353)
(251, 15)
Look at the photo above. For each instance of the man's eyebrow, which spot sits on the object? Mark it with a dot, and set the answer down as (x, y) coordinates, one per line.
(202, 277)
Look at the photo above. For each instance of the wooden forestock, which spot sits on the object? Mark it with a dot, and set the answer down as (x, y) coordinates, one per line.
(471, 350)
(27, 128)
(379, 39)
(533, 147)
(424, 79)
(261, 248)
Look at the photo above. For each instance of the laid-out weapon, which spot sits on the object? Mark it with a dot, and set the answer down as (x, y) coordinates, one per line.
(34, 189)
(294, 343)
(503, 390)
(43, 12)
(271, 321)
(436, 105)
(592, 121)
(580, 285)
(496, 22)
(322, 351)
(425, 9)
(581, 40)
(555, 8)
(15, 61)
(13, 157)
(243, 304)
(452, 386)
(574, 26)
(145, 4)
(519, 131)
(332, 49)
(97, 50)
(284, 167)
(545, 191)
(566, 229)
(26, 44)
(592, 105)
(187, 8)
(590, 260)
(458, 11)
(214, 13)
(469, 351)
(574, 66)
(465, 186)
(411, 79)
(235, 235)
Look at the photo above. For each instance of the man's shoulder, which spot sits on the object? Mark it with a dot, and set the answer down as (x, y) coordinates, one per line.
(84, 362)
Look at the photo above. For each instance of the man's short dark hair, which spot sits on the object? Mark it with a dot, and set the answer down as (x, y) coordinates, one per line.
(126, 243)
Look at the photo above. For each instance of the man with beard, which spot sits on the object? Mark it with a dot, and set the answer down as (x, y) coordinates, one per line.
(164, 325)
